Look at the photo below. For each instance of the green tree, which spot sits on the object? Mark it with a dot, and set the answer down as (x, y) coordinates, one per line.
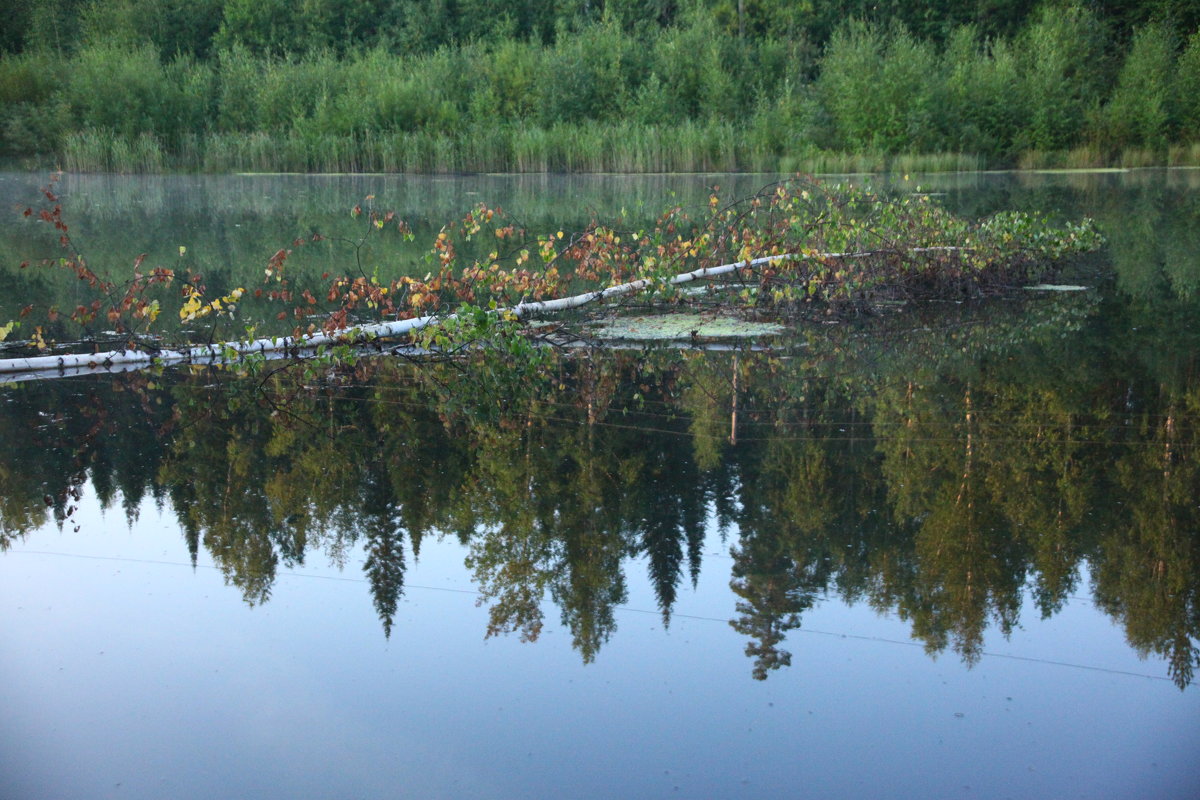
(1139, 111)
(1064, 69)
(1185, 91)
(985, 106)
(882, 90)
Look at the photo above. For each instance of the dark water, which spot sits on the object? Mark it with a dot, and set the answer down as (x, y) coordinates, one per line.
(947, 553)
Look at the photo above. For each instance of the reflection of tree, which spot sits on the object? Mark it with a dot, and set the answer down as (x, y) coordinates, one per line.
(708, 400)
(30, 465)
(59, 434)
(970, 567)
(547, 517)
(558, 496)
(384, 565)
(1148, 570)
(935, 481)
(591, 527)
(808, 521)
(215, 478)
(671, 515)
(513, 557)
(1154, 240)
(772, 601)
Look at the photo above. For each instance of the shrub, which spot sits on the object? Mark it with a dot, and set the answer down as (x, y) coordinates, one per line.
(188, 107)
(690, 63)
(1185, 92)
(881, 90)
(584, 76)
(1061, 58)
(29, 121)
(237, 78)
(985, 107)
(113, 88)
(1137, 112)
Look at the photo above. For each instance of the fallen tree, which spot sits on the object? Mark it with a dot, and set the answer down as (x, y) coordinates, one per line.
(230, 351)
(795, 244)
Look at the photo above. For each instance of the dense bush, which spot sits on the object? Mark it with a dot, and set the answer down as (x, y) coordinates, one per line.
(1138, 113)
(882, 90)
(1185, 92)
(985, 105)
(119, 89)
(1063, 73)
(531, 88)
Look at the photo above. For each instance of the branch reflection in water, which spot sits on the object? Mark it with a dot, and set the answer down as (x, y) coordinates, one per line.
(937, 467)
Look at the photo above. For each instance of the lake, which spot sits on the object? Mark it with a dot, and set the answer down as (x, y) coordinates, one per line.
(946, 551)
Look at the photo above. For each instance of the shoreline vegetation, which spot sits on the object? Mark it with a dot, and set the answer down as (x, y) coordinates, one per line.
(132, 86)
(795, 249)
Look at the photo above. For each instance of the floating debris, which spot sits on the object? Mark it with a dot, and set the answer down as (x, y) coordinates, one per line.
(1056, 287)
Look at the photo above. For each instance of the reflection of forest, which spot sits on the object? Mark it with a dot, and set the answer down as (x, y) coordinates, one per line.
(938, 467)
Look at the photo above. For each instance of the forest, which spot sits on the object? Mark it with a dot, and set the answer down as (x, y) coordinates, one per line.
(624, 85)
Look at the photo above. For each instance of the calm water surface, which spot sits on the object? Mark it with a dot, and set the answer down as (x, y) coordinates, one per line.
(947, 553)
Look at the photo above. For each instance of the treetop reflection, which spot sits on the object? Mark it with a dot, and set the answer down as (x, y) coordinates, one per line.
(935, 467)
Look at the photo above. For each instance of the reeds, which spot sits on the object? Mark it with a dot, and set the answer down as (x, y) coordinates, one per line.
(1184, 155)
(621, 147)
(105, 151)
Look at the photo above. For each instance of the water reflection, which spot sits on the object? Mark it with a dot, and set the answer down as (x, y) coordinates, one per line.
(936, 466)
(231, 225)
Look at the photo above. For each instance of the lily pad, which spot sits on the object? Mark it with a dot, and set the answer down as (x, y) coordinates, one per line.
(670, 327)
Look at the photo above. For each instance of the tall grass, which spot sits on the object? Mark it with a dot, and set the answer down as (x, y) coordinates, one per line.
(620, 147)
(1184, 155)
(103, 150)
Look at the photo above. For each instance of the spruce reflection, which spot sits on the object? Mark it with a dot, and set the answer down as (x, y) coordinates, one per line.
(941, 469)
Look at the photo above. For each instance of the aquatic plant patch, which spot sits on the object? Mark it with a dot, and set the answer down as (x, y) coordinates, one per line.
(792, 248)
(682, 326)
